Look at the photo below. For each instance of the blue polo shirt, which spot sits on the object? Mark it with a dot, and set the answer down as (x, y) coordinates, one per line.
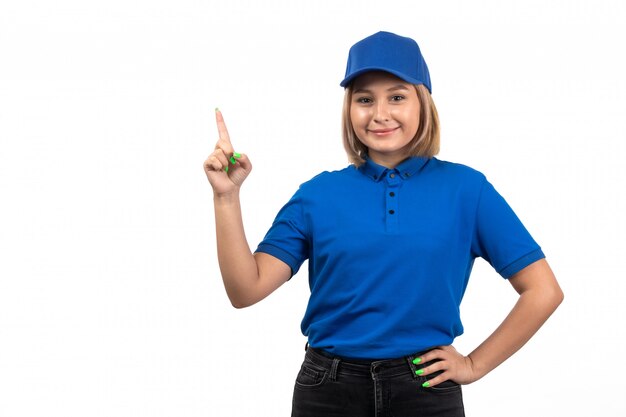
(391, 251)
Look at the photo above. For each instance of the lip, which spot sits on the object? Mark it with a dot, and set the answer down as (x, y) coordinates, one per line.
(383, 132)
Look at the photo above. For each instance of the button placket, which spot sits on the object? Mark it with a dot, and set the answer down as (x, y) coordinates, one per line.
(391, 202)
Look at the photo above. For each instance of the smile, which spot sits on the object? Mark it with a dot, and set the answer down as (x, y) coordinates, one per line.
(383, 132)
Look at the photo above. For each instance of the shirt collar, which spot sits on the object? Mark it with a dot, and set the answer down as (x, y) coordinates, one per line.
(407, 168)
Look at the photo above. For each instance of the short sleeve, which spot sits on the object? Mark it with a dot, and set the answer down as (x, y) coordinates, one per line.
(287, 238)
(500, 237)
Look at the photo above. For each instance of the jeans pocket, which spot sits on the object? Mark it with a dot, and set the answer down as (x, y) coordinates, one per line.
(311, 376)
(446, 386)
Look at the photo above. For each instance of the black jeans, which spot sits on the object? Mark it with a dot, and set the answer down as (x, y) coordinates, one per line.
(329, 386)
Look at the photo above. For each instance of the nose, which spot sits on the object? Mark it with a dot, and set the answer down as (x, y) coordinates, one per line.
(381, 111)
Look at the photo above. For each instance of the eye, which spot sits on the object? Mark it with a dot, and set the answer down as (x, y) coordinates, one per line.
(397, 98)
(363, 100)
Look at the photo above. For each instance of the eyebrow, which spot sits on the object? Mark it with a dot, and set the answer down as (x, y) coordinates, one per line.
(394, 88)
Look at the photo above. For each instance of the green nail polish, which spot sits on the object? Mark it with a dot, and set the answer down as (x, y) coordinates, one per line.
(416, 361)
(419, 371)
(426, 384)
(226, 169)
(236, 155)
(217, 109)
(232, 160)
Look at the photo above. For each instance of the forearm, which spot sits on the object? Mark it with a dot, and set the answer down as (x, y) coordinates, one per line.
(237, 264)
(529, 313)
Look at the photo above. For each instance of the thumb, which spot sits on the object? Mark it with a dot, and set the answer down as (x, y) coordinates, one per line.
(240, 170)
(242, 160)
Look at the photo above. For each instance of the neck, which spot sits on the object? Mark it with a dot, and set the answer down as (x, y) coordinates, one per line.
(388, 161)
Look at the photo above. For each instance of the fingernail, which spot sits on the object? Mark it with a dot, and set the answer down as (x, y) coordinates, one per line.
(226, 169)
(419, 371)
(236, 155)
(217, 109)
(416, 361)
(426, 384)
(232, 160)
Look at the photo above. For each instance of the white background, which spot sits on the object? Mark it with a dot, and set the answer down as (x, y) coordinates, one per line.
(111, 301)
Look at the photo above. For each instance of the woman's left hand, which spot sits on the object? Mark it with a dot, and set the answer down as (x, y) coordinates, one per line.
(455, 366)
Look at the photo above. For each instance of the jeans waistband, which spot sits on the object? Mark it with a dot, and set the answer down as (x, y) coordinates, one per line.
(366, 368)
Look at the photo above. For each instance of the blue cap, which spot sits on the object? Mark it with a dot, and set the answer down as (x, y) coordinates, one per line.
(388, 52)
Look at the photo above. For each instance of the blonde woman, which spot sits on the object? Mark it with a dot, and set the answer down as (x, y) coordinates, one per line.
(391, 241)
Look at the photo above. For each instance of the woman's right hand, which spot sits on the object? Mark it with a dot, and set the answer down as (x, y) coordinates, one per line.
(224, 176)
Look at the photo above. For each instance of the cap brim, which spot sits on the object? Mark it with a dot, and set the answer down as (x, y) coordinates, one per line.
(346, 81)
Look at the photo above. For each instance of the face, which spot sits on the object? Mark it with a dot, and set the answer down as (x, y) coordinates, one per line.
(384, 112)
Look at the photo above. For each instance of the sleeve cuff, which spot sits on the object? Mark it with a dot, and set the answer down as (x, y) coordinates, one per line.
(284, 256)
(521, 263)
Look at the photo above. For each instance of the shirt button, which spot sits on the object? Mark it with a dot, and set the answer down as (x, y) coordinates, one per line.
(392, 175)
(391, 211)
(392, 194)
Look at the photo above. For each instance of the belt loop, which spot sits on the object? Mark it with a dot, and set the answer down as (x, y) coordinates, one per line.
(412, 366)
(333, 369)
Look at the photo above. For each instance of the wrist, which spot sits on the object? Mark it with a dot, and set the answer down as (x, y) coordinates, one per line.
(226, 198)
(478, 371)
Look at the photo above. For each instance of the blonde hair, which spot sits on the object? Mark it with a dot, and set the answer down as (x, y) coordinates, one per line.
(425, 142)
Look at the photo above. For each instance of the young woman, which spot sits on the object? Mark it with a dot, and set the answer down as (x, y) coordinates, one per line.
(391, 241)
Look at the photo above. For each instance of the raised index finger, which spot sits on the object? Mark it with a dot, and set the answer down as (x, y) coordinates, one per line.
(224, 138)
